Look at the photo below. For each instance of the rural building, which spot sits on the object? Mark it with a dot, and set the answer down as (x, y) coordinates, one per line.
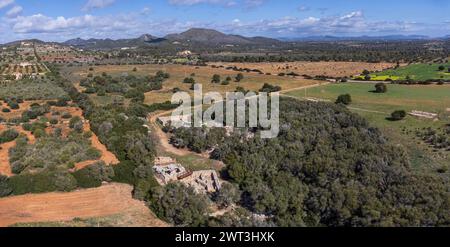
(170, 173)
(184, 53)
(184, 121)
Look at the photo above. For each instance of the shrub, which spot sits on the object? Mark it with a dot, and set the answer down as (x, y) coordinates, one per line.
(6, 110)
(215, 79)
(189, 80)
(398, 115)
(8, 135)
(74, 120)
(94, 175)
(380, 88)
(53, 121)
(268, 88)
(239, 77)
(345, 99)
(66, 115)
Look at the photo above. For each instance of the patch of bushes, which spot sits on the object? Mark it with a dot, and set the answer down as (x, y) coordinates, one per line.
(8, 135)
(42, 182)
(51, 152)
(179, 205)
(93, 175)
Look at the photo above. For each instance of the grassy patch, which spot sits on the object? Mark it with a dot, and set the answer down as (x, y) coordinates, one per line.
(31, 90)
(376, 107)
(418, 72)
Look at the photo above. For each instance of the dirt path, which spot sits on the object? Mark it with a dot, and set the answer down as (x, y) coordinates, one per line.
(104, 201)
(304, 87)
(163, 139)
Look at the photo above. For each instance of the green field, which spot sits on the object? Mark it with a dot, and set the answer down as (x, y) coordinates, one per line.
(377, 107)
(418, 72)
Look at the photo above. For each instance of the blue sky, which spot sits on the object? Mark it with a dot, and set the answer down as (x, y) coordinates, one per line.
(54, 20)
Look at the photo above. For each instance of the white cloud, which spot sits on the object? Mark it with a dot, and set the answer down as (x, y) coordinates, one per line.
(97, 4)
(134, 24)
(146, 11)
(303, 8)
(195, 2)
(227, 3)
(4, 3)
(14, 11)
(253, 3)
(43, 24)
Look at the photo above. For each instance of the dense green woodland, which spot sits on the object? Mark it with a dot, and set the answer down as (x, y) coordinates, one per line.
(365, 51)
(328, 167)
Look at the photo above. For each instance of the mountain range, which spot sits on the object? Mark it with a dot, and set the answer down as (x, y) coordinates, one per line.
(191, 36)
(212, 38)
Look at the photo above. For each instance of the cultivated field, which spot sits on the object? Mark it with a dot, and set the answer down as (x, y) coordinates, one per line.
(63, 125)
(113, 203)
(331, 69)
(418, 72)
(203, 75)
(25, 69)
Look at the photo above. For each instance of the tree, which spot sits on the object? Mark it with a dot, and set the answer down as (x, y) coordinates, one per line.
(179, 205)
(345, 99)
(239, 77)
(380, 88)
(215, 78)
(441, 68)
(8, 135)
(227, 195)
(189, 80)
(269, 88)
(365, 72)
(398, 115)
(74, 121)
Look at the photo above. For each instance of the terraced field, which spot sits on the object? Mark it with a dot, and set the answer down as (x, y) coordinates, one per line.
(203, 75)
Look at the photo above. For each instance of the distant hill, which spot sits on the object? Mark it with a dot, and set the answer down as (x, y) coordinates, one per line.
(359, 38)
(18, 42)
(213, 37)
(106, 44)
(208, 37)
